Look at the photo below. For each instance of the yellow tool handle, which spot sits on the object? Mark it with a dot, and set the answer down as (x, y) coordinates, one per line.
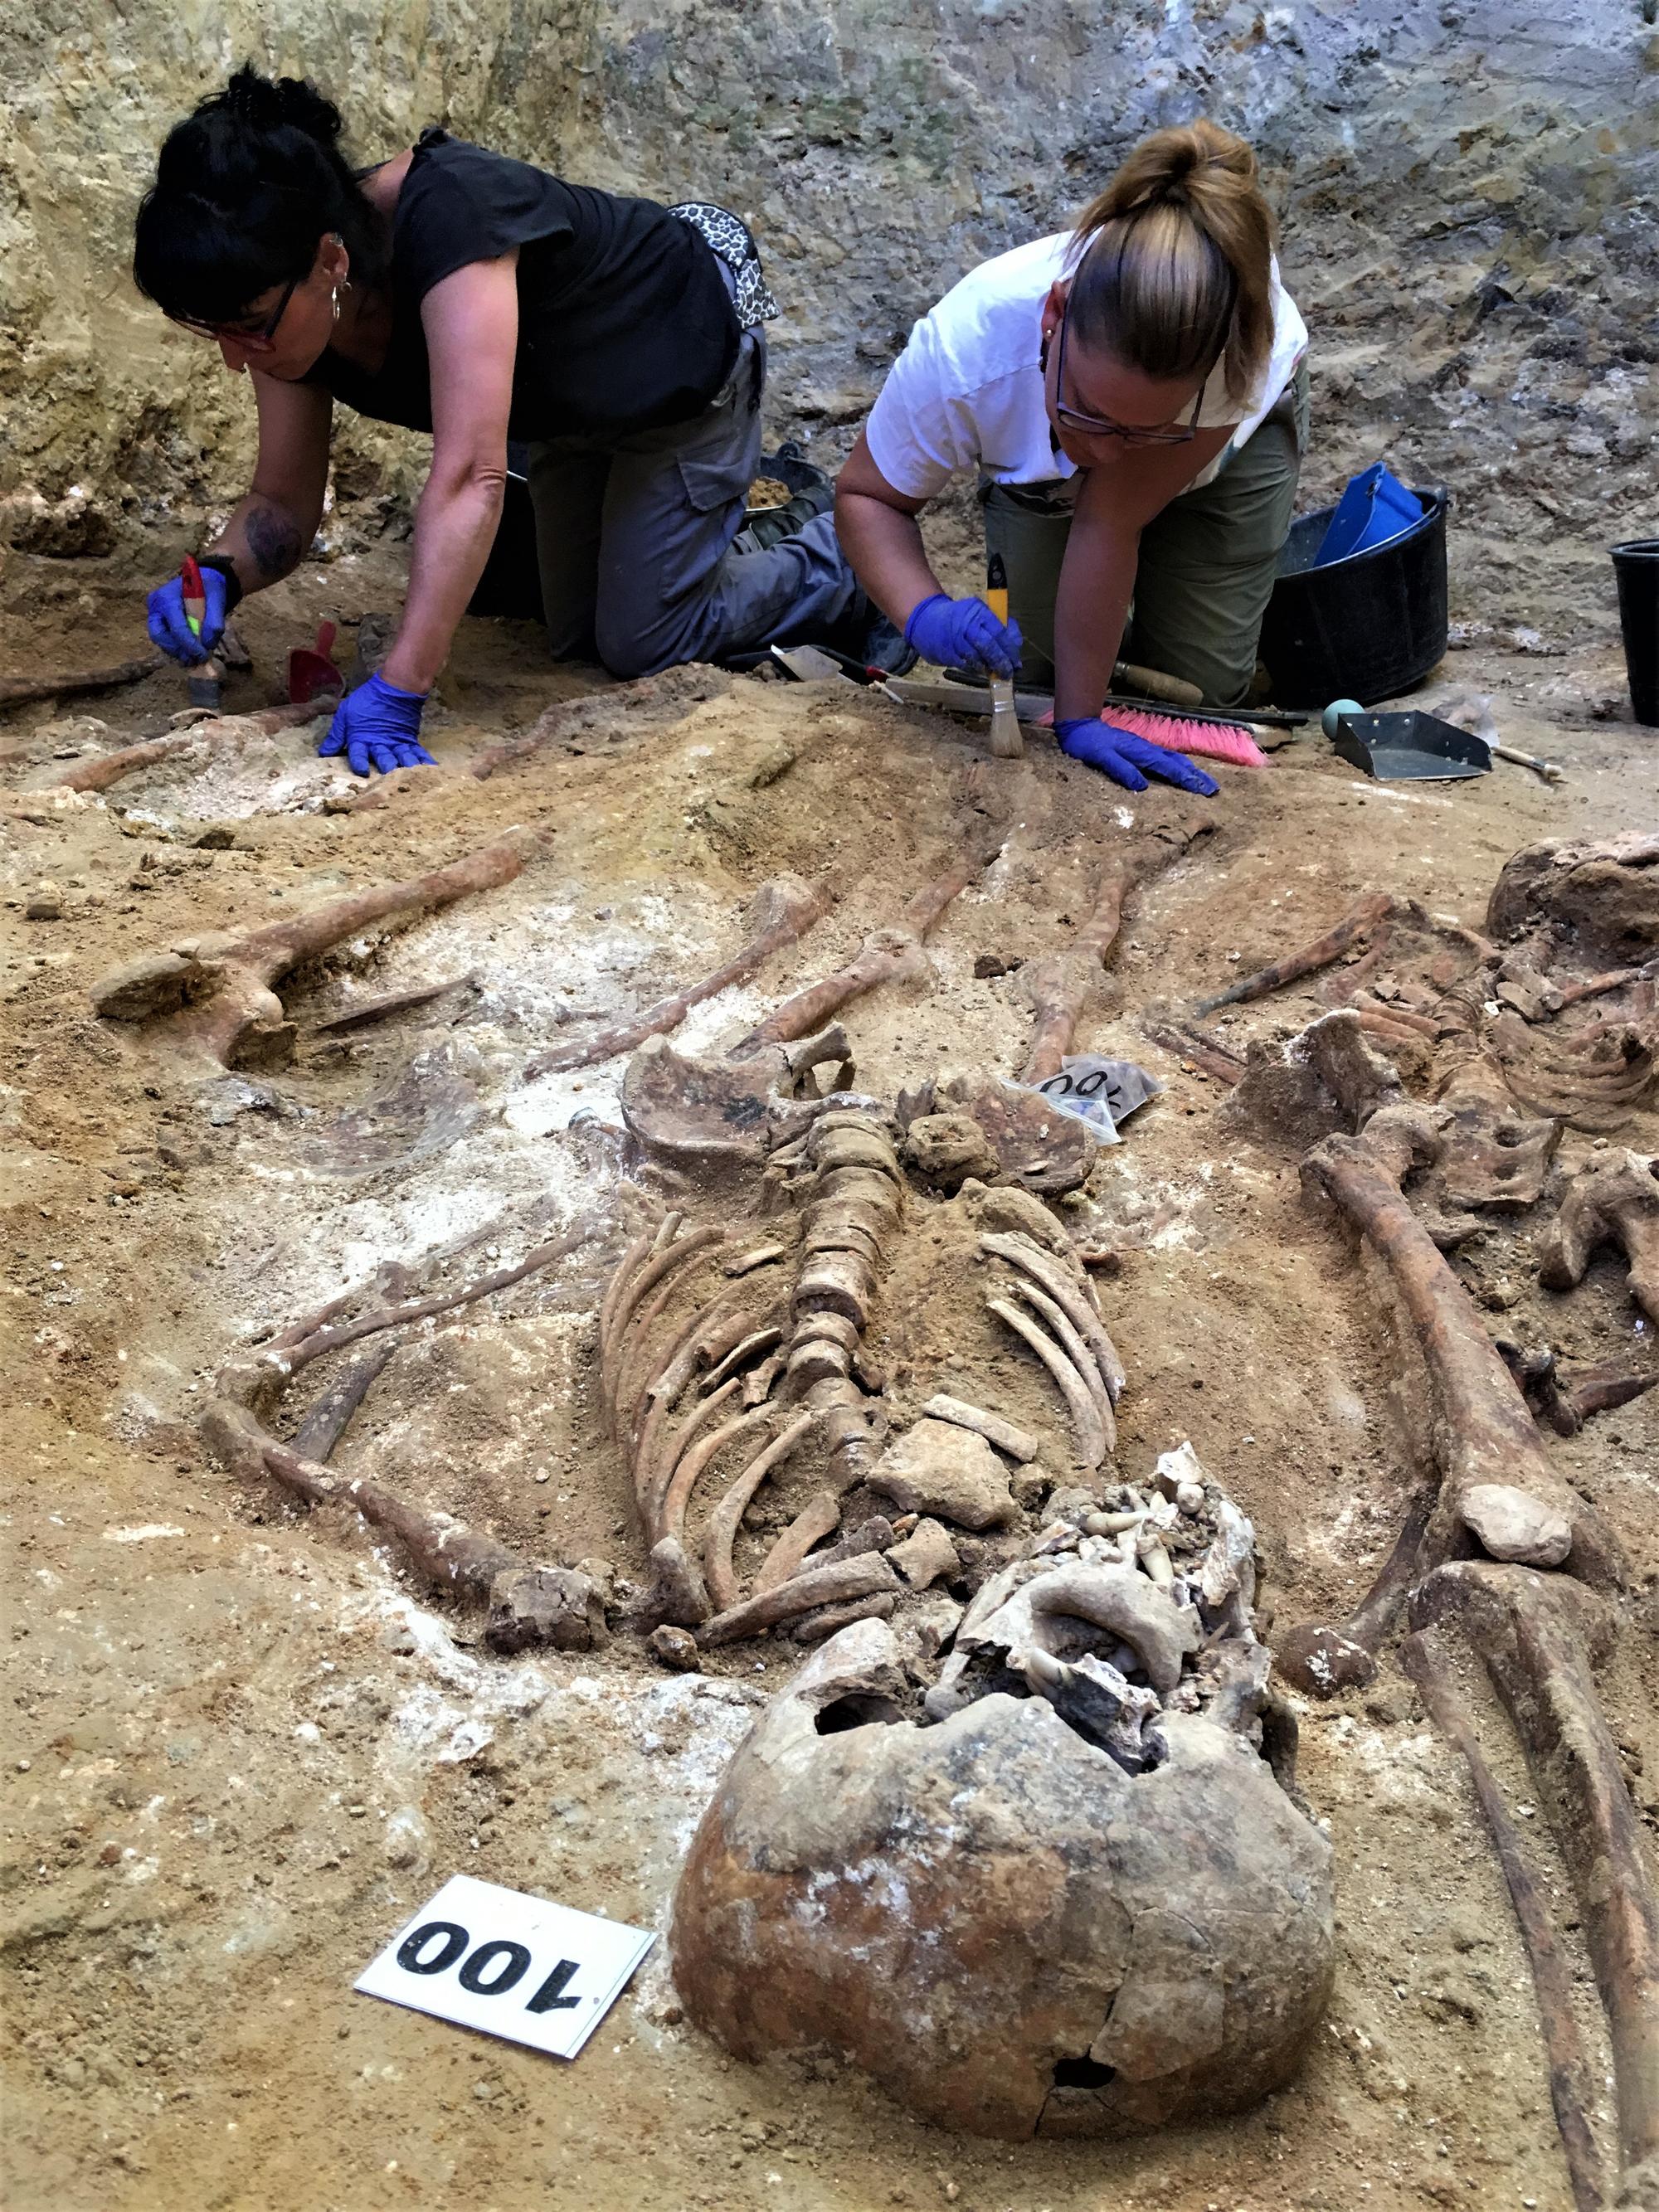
(996, 587)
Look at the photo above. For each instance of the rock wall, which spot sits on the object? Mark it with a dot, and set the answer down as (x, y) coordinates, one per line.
(107, 414)
(1467, 188)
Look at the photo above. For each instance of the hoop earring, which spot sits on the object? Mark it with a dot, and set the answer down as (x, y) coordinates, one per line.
(336, 303)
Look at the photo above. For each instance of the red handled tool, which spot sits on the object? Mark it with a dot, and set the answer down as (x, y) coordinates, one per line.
(311, 672)
(206, 681)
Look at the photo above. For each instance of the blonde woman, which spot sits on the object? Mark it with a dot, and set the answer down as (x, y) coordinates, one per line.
(1133, 395)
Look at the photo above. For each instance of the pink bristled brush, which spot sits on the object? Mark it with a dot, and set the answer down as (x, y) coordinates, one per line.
(1184, 733)
(1216, 738)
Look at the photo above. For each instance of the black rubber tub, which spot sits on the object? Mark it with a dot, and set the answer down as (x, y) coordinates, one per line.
(1637, 565)
(1367, 628)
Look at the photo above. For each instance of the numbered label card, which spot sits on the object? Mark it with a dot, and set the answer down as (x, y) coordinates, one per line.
(514, 1966)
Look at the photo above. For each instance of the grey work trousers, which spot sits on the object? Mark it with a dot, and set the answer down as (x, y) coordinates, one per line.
(1207, 566)
(634, 542)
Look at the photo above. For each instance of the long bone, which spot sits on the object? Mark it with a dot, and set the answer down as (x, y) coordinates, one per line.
(16, 690)
(884, 954)
(528, 1603)
(325, 1423)
(219, 1003)
(1323, 1660)
(1552, 1977)
(784, 909)
(104, 769)
(1530, 1630)
(1486, 1439)
(1061, 986)
(1358, 922)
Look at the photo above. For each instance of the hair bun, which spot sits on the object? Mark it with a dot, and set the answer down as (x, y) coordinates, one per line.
(268, 104)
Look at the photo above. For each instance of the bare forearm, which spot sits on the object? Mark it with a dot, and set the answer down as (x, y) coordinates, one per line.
(1097, 582)
(454, 529)
(885, 550)
(263, 539)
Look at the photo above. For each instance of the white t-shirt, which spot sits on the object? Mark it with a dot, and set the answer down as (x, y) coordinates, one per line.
(967, 393)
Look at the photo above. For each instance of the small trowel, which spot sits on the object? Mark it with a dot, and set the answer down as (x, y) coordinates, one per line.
(1006, 742)
(311, 669)
(205, 683)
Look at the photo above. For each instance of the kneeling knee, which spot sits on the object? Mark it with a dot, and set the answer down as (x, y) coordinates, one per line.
(629, 650)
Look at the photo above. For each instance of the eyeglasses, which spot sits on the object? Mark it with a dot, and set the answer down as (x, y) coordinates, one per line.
(1102, 426)
(260, 339)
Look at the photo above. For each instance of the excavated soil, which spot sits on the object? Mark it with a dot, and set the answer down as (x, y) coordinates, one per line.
(244, 1747)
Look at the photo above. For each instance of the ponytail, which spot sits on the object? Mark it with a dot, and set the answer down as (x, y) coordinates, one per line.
(1173, 260)
(245, 187)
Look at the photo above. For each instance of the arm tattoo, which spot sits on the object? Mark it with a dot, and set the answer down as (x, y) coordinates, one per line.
(273, 541)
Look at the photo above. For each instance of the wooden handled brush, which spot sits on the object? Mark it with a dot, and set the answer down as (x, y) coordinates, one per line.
(1007, 740)
(205, 683)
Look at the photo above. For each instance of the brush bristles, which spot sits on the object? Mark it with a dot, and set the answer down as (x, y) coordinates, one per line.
(1224, 741)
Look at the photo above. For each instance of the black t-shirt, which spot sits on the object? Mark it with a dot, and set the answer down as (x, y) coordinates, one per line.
(625, 322)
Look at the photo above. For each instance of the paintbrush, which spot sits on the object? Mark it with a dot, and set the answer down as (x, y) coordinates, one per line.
(1006, 741)
(205, 683)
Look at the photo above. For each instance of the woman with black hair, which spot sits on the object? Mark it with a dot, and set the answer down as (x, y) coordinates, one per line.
(454, 291)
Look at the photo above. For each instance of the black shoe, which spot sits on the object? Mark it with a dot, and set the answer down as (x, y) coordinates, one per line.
(810, 495)
(885, 647)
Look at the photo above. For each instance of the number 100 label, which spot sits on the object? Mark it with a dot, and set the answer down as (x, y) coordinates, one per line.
(514, 1966)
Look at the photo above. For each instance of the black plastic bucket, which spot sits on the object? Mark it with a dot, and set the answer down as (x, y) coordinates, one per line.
(1636, 564)
(1367, 628)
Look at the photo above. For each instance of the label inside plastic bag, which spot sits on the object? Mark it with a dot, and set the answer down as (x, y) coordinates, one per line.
(1100, 1093)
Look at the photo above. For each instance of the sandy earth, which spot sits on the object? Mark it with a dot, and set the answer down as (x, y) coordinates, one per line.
(243, 1749)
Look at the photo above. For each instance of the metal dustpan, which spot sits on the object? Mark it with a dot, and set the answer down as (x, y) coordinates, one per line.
(1413, 746)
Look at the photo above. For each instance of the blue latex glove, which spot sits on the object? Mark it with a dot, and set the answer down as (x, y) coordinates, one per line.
(962, 634)
(170, 630)
(1128, 759)
(378, 726)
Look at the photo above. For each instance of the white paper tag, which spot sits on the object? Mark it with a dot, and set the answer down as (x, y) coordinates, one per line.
(514, 1966)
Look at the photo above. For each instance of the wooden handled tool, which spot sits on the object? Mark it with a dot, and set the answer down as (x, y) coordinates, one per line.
(205, 683)
(1006, 741)
(1153, 684)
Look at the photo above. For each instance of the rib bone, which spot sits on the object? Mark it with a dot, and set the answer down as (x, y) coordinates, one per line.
(721, 1533)
(863, 1576)
(1074, 1295)
(1090, 1431)
(819, 1518)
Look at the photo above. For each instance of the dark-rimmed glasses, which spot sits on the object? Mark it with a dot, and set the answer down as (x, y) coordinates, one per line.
(261, 339)
(1102, 426)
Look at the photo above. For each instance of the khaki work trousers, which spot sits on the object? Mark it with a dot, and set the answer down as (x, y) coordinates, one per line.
(1206, 567)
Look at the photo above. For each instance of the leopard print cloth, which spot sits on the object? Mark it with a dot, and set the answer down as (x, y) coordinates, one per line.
(730, 238)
